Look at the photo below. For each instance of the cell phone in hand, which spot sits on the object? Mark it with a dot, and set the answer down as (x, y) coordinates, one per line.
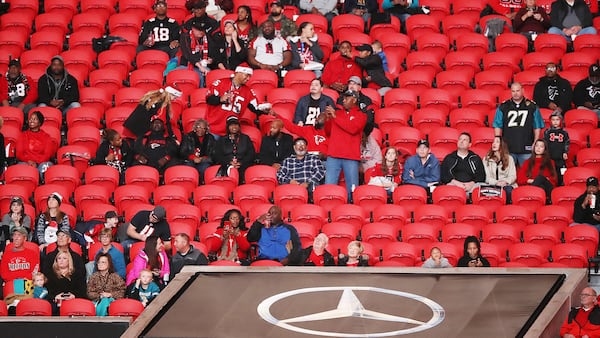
(227, 226)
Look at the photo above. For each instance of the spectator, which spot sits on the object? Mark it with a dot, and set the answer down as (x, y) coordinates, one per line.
(276, 146)
(144, 289)
(235, 149)
(422, 169)
(284, 27)
(538, 170)
(552, 91)
(51, 221)
(65, 280)
(388, 173)
(463, 168)
(337, 71)
(246, 28)
(35, 147)
(186, 255)
(235, 54)
(156, 148)
(229, 242)
(63, 244)
(105, 285)
(91, 230)
(198, 146)
(327, 8)
(154, 104)
(586, 94)
(14, 218)
(316, 137)
(370, 153)
(436, 259)
(108, 248)
(18, 262)
(200, 50)
(114, 152)
(317, 254)
(269, 51)
(583, 321)
(160, 32)
(586, 209)
(21, 89)
(310, 106)
(345, 125)
(558, 144)
(378, 50)
(403, 9)
(7, 155)
(372, 68)
(148, 223)
(301, 168)
(531, 20)
(362, 8)
(276, 240)
(355, 256)
(230, 98)
(500, 167)
(57, 88)
(472, 257)
(154, 258)
(507, 8)
(570, 19)
(198, 10)
(364, 103)
(39, 289)
(519, 121)
(306, 52)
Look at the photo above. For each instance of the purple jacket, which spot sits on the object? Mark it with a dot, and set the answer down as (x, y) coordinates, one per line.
(141, 262)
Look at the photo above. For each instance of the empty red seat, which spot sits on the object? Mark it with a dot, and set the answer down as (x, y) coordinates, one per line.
(77, 307)
(449, 197)
(409, 196)
(420, 24)
(351, 214)
(340, 234)
(502, 235)
(431, 214)
(309, 213)
(421, 235)
(142, 175)
(34, 307)
(529, 196)
(248, 195)
(208, 195)
(543, 235)
(185, 80)
(573, 255)
(64, 175)
(369, 197)
(125, 308)
(514, 214)
(328, 196)
(404, 253)
(288, 196)
(585, 236)
(530, 254)
(379, 235)
(551, 43)
(577, 176)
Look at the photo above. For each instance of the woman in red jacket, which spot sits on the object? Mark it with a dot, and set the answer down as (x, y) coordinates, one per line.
(387, 174)
(229, 240)
(35, 147)
(539, 169)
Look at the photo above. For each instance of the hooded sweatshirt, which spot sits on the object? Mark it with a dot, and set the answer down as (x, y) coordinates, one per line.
(557, 90)
(65, 88)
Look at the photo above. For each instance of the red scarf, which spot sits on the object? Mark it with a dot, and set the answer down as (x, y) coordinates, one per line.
(196, 47)
(117, 152)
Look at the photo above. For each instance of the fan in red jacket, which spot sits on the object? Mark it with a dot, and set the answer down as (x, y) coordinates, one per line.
(35, 147)
(229, 241)
(539, 169)
(583, 321)
(316, 137)
(338, 71)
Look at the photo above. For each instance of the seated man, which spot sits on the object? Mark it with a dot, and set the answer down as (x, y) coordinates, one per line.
(284, 26)
(234, 150)
(269, 51)
(310, 106)
(145, 224)
(198, 147)
(552, 91)
(422, 169)
(63, 243)
(463, 168)
(21, 90)
(362, 8)
(276, 146)
(338, 71)
(57, 88)
(571, 18)
(160, 32)
(586, 209)
(586, 94)
(372, 65)
(200, 50)
(327, 8)
(186, 255)
(583, 321)
(317, 254)
(302, 168)
(18, 262)
(156, 148)
(403, 9)
(276, 240)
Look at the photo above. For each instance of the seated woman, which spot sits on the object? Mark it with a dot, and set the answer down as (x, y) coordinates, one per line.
(388, 173)
(354, 256)
(436, 259)
(531, 20)
(15, 217)
(370, 153)
(50, 221)
(114, 152)
(154, 258)
(35, 147)
(65, 281)
(539, 170)
(235, 53)
(472, 257)
(306, 52)
(500, 167)
(317, 254)
(105, 285)
(117, 259)
(229, 242)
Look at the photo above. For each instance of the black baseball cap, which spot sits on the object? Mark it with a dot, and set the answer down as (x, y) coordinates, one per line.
(591, 182)
(365, 47)
(423, 143)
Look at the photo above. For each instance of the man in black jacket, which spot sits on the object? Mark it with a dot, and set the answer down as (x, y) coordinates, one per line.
(156, 148)
(552, 91)
(57, 88)
(372, 68)
(586, 209)
(571, 18)
(186, 255)
(160, 32)
(198, 147)
(200, 50)
(586, 94)
(234, 150)
(463, 168)
(277, 146)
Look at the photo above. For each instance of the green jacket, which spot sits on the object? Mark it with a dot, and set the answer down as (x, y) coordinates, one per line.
(288, 27)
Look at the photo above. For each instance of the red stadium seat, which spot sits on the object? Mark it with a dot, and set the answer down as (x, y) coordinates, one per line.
(126, 196)
(489, 202)
(120, 22)
(501, 61)
(96, 212)
(576, 177)
(185, 214)
(77, 307)
(248, 195)
(466, 119)
(307, 232)
(404, 138)
(472, 42)
(184, 79)
(456, 233)
(9, 191)
(515, 214)
(288, 196)
(56, 22)
(84, 116)
(64, 175)
(436, 98)
(421, 235)
(263, 175)
(340, 234)
(125, 308)
(409, 196)
(12, 116)
(328, 196)
(379, 235)
(319, 21)
(52, 116)
(14, 21)
(12, 43)
(453, 82)
(208, 195)
(403, 253)
(492, 253)
(527, 79)
(449, 197)
(554, 215)
(543, 235)
(109, 79)
(351, 214)
(585, 236)
(473, 214)
(81, 41)
(85, 136)
(529, 196)
(493, 81)
(48, 40)
(102, 175)
(427, 61)
(436, 43)
(394, 215)
(582, 119)
(573, 255)
(128, 97)
(588, 43)
(88, 22)
(98, 98)
(512, 43)
(565, 196)
(478, 99)
(142, 175)
(146, 79)
(346, 23)
(402, 99)
(502, 235)
(139, 8)
(77, 156)
(551, 43)
(169, 195)
(457, 25)
(299, 80)
(184, 176)
(470, 9)
(443, 139)
(34, 307)
(530, 254)
(23, 175)
(589, 158)
(256, 211)
(465, 61)
(580, 61)
(389, 118)
(431, 214)
(228, 182)
(369, 197)
(537, 61)
(420, 24)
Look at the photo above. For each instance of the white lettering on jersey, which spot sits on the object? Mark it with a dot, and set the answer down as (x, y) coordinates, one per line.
(148, 230)
(593, 91)
(517, 118)
(552, 92)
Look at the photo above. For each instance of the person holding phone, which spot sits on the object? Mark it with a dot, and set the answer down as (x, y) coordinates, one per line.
(586, 206)
(229, 241)
(472, 256)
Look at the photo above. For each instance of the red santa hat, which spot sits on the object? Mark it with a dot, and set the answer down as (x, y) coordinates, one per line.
(244, 68)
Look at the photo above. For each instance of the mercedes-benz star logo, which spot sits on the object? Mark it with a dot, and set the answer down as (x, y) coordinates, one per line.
(350, 306)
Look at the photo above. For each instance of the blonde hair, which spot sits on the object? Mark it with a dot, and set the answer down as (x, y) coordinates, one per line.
(39, 274)
(358, 244)
(71, 268)
(154, 97)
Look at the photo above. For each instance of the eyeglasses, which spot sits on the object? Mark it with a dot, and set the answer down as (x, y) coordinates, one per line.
(587, 295)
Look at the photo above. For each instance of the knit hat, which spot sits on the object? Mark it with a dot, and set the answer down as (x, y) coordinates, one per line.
(355, 79)
(21, 230)
(57, 197)
(244, 69)
(176, 93)
(556, 113)
(59, 58)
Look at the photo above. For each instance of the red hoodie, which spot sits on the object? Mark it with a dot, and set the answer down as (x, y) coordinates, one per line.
(535, 171)
(35, 146)
(316, 138)
(340, 70)
(345, 133)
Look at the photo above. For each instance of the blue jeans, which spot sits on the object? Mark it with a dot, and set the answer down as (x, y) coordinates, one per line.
(64, 109)
(520, 158)
(333, 167)
(586, 30)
